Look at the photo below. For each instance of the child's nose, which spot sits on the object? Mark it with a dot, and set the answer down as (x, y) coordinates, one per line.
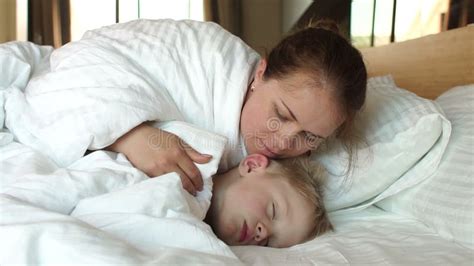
(261, 232)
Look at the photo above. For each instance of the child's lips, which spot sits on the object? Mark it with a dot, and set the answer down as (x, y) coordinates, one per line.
(243, 232)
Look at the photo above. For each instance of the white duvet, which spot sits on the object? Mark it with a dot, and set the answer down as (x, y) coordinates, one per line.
(57, 104)
(106, 209)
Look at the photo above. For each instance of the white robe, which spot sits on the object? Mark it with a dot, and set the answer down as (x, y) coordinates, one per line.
(119, 76)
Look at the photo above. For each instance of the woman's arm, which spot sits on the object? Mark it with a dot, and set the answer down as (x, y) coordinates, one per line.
(156, 152)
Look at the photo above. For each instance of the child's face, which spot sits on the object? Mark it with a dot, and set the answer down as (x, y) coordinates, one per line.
(286, 118)
(259, 209)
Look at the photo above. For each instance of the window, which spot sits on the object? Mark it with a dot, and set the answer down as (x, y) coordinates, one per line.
(91, 14)
(21, 20)
(372, 20)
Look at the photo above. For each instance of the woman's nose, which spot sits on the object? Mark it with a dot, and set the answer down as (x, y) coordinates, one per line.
(261, 232)
(287, 137)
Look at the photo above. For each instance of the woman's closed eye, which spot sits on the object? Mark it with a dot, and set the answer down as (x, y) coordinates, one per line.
(280, 115)
(312, 140)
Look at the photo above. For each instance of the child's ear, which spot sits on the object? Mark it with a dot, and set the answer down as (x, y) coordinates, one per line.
(253, 162)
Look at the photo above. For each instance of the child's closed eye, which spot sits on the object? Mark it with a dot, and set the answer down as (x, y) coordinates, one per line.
(273, 211)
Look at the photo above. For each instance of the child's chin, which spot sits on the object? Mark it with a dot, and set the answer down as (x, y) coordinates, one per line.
(230, 243)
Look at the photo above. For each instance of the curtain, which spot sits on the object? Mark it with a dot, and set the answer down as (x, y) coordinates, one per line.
(49, 22)
(461, 13)
(226, 13)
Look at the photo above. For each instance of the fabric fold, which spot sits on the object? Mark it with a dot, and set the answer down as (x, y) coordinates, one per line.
(119, 76)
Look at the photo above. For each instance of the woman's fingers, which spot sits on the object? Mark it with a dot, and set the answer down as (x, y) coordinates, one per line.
(187, 184)
(194, 155)
(188, 166)
(167, 153)
(191, 172)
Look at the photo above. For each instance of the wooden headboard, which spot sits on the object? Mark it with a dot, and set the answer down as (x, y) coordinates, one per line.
(428, 65)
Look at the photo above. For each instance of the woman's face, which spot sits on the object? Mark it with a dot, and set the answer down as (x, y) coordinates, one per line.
(287, 117)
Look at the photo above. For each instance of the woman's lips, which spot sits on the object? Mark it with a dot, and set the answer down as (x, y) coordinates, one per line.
(269, 153)
(243, 232)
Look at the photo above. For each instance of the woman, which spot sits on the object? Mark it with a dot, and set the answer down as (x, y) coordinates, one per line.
(309, 88)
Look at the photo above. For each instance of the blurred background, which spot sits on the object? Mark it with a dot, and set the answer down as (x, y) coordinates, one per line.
(260, 23)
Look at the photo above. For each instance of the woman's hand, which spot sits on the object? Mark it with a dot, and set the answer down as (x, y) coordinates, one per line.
(157, 152)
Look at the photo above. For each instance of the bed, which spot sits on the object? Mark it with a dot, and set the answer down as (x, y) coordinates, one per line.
(410, 200)
(420, 222)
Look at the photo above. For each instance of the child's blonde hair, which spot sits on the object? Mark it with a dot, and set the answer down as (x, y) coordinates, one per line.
(308, 178)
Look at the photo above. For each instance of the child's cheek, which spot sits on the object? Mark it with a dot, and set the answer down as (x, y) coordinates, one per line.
(230, 231)
(256, 208)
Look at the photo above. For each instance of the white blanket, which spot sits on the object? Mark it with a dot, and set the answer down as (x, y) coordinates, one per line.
(117, 214)
(60, 207)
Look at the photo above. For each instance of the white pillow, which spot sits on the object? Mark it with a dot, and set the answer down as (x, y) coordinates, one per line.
(445, 201)
(402, 131)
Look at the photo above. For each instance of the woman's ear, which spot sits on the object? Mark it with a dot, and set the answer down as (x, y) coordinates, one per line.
(253, 162)
(262, 66)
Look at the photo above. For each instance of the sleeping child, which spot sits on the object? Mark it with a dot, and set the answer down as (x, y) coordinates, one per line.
(276, 203)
